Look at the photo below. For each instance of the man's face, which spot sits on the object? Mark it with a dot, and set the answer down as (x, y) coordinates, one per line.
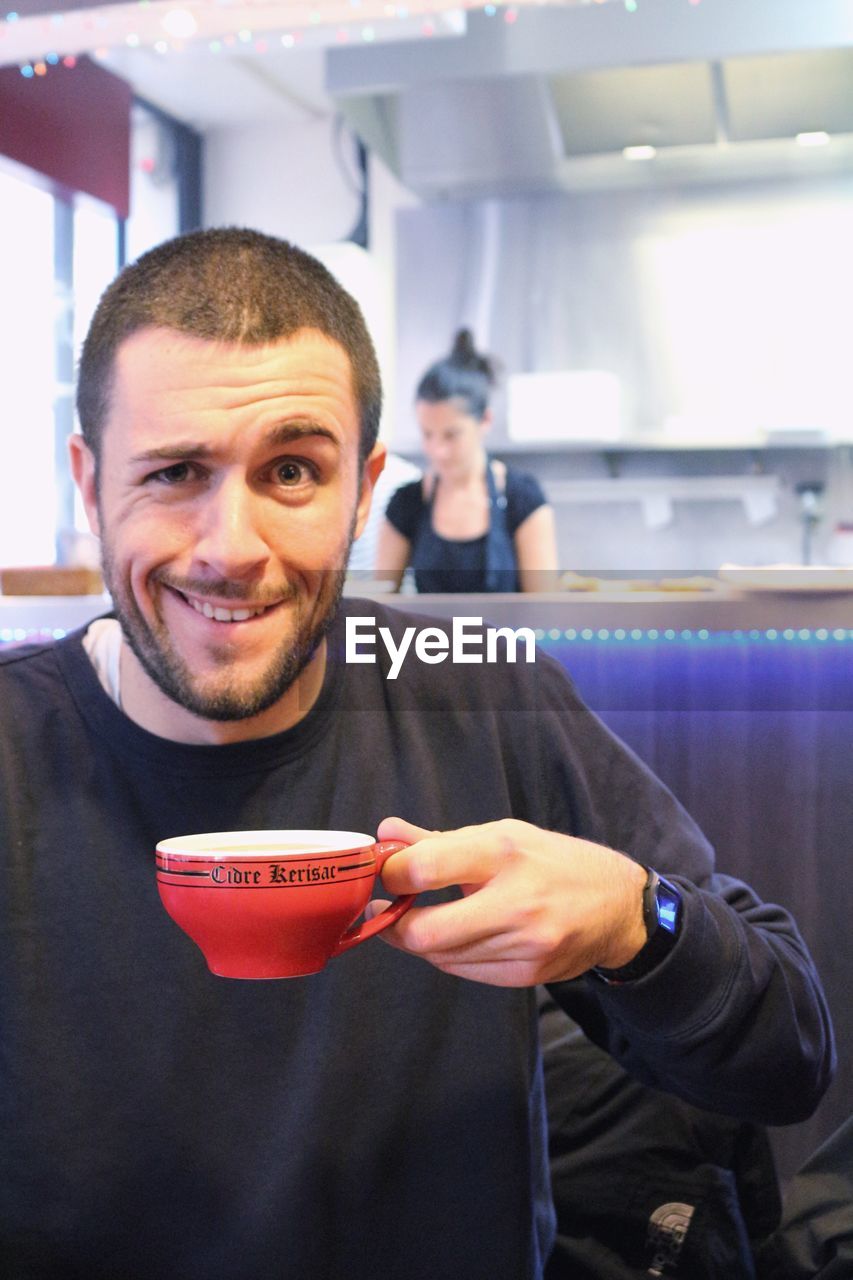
(228, 494)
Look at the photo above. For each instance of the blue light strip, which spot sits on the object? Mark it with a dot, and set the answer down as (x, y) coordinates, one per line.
(586, 635)
(621, 635)
(21, 635)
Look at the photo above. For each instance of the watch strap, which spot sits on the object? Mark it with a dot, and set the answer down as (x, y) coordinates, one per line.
(662, 919)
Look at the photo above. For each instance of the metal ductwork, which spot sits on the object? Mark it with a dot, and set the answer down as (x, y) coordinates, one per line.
(551, 101)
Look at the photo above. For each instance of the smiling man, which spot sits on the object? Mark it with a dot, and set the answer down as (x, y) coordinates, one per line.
(382, 1119)
(226, 499)
(226, 480)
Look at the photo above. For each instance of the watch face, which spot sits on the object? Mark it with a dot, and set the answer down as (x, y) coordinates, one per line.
(668, 906)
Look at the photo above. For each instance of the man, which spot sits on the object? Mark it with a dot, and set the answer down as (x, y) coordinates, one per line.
(384, 1117)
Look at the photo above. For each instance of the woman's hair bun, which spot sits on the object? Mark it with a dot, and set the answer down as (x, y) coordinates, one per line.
(463, 375)
(465, 354)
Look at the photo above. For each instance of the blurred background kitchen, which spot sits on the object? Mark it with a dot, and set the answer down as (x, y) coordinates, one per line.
(643, 207)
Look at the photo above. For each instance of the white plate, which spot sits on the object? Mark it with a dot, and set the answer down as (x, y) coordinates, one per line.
(787, 577)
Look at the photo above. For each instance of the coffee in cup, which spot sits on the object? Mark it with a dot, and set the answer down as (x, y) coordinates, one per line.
(274, 904)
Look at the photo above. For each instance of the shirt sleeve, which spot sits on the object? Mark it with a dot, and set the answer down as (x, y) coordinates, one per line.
(524, 495)
(403, 509)
(734, 1019)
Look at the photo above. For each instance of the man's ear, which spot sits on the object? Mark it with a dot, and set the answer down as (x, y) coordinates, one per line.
(84, 470)
(370, 473)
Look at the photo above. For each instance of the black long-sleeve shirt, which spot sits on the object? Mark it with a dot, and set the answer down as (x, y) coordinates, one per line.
(380, 1117)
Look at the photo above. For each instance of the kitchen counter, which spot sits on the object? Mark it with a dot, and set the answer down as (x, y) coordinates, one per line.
(717, 609)
(721, 609)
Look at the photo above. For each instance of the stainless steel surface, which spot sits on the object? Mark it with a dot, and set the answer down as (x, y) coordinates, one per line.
(723, 610)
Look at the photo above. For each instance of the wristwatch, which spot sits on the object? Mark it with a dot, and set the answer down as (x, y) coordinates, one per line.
(662, 918)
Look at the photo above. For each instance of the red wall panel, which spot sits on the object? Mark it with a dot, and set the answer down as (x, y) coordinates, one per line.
(73, 126)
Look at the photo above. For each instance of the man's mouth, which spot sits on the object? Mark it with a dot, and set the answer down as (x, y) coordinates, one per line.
(220, 613)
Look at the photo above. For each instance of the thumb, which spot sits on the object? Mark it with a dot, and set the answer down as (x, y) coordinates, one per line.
(399, 829)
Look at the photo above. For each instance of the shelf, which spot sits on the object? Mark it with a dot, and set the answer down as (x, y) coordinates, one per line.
(657, 494)
(500, 446)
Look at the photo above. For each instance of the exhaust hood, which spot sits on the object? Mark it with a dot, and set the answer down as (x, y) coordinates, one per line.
(551, 101)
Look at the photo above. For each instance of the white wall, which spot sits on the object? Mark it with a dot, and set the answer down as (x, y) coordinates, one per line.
(286, 179)
(281, 178)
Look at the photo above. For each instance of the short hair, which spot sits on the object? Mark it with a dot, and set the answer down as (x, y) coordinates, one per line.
(227, 284)
(465, 374)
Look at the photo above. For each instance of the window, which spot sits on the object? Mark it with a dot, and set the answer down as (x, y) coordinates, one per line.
(56, 259)
(30, 313)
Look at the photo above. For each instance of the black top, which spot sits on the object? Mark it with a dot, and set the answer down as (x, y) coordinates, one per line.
(379, 1117)
(487, 563)
(643, 1183)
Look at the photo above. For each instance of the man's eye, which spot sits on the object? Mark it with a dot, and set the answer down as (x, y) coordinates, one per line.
(293, 473)
(175, 474)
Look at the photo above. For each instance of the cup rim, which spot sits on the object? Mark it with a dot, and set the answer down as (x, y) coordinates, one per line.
(316, 842)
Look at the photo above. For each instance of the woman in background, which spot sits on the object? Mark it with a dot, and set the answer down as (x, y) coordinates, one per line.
(471, 523)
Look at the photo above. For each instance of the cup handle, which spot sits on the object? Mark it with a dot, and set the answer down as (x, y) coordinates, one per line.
(360, 932)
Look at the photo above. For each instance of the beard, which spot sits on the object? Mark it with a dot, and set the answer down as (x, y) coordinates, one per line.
(229, 698)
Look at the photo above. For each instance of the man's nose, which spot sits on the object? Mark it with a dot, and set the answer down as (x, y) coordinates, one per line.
(231, 538)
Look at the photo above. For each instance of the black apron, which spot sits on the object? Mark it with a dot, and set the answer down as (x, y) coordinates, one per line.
(475, 564)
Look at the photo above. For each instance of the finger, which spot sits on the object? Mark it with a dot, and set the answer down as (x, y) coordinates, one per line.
(439, 929)
(442, 930)
(489, 961)
(489, 924)
(469, 856)
(374, 906)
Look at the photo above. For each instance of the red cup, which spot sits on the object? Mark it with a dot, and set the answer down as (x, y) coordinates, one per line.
(274, 904)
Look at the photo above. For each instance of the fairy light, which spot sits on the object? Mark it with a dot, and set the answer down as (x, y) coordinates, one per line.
(164, 26)
(180, 23)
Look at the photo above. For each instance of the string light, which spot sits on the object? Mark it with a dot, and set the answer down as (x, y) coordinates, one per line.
(144, 23)
(180, 23)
